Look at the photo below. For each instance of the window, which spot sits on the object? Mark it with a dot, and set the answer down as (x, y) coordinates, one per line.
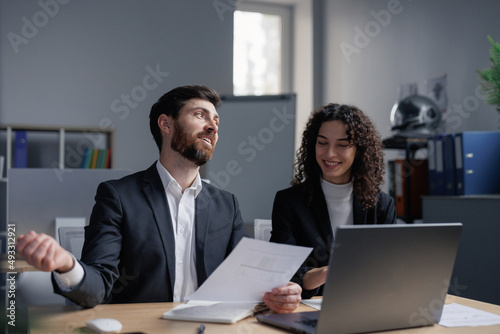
(262, 50)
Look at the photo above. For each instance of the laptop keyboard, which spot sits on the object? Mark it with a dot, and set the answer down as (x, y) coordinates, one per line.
(308, 322)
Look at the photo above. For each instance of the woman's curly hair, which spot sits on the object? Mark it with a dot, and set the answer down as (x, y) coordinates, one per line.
(368, 167)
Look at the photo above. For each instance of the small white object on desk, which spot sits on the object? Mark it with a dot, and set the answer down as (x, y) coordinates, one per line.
(314, 303)
(456, 315)
(104, 325)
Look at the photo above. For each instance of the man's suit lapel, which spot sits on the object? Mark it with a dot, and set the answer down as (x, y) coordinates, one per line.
(155, 194)
(201, 221)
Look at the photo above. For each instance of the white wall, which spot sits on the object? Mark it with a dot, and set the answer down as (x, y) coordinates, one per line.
(88, 54)
(72, 63)
(419, 40)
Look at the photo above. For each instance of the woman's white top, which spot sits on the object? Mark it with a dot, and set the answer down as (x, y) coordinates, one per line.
(339, 199)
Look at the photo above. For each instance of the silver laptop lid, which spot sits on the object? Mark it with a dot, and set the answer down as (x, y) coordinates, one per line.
(385, 277)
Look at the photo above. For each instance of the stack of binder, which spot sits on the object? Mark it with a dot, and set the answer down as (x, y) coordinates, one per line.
(464, 163)
(97, 158)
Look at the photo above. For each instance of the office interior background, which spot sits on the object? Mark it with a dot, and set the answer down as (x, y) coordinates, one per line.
(73, 64)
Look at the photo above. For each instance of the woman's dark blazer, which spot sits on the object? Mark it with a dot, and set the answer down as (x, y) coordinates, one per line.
(295, 222)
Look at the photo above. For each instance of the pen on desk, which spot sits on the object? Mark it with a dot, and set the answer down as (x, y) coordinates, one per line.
(202, 329)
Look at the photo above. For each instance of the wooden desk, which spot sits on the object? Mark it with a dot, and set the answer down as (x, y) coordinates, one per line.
(146, 318)
(20, 265)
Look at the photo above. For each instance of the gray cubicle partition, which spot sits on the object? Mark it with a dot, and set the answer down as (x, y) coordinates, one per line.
(476, 274)
(39, 195)
(36, 197)
(254, 155)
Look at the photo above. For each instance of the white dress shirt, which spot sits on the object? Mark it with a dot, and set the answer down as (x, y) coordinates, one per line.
(182, 213)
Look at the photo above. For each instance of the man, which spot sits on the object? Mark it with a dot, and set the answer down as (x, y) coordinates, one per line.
(156, 235)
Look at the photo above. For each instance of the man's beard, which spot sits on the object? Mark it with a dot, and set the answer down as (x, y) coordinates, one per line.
(184, 144)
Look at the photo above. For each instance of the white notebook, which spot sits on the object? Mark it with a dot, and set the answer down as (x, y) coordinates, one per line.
(204, 311)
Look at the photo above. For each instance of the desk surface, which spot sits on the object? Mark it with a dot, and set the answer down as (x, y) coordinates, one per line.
(19, 265)
(146, 318)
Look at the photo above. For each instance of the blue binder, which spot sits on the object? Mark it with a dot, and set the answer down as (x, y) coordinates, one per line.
(449, 164)
(21, 150)
(439, 174)
(431, 165)
(477, 160)
(86, 158)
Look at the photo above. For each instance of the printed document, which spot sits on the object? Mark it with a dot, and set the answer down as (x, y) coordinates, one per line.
(233, 290)
(253, 268)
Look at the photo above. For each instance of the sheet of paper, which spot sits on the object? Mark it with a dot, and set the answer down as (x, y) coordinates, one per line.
(456, 315)
(314, 303)
(253, 268)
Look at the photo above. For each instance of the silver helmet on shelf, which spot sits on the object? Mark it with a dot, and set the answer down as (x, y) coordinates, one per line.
(415, 115)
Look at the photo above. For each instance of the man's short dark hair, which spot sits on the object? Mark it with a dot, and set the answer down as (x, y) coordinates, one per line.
(171, 102)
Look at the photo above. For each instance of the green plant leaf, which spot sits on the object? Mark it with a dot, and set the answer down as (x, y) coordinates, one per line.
(490, 77)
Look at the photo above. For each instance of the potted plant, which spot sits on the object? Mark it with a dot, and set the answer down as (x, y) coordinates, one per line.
(490, 77)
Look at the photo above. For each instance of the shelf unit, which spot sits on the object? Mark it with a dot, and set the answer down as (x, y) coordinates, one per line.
(58, 147)
(54, 147)
(410, 146)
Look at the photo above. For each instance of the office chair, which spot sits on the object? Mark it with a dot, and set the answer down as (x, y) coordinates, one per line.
(71, 239)
(262, 229)
(71, 234)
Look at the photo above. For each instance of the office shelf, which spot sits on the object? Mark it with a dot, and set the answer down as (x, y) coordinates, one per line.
(410, 146)
(53, 147)
(59, 147)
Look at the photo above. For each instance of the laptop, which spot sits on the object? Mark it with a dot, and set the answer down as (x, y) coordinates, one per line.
(381, 277)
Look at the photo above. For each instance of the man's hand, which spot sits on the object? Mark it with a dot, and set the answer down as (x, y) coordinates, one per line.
(44, 253)
(284, 299)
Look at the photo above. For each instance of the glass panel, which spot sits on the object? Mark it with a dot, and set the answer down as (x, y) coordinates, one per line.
(257, 63)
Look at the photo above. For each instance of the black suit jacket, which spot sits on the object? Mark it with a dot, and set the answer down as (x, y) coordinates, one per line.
(297, 223)
(128, 254)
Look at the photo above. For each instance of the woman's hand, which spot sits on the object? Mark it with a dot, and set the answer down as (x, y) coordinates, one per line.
(314, 278)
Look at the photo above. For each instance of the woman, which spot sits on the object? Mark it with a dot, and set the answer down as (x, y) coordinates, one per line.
(338, 176)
